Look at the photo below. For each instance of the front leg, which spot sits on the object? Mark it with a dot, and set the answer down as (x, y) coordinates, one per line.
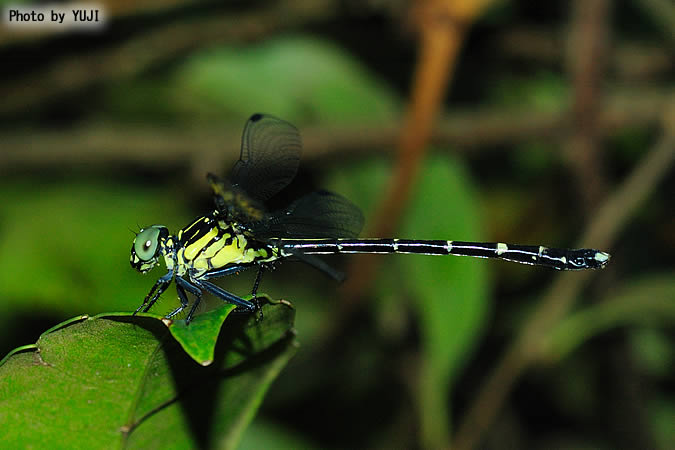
(182, 295)
(254, 293)
(181, 286)
(159, 287)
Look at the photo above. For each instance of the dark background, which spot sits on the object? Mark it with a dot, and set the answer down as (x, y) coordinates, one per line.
(555, 127)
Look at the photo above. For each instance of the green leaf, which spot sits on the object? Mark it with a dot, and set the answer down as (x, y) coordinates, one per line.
(451, 293)
(273, 76)
(198, 339)
(118, 381)
(648, 300)
(262, 435)
(652, 350)
(546, 91)
(661, 412)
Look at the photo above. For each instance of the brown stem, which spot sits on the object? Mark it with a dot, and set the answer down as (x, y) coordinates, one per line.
(440, 41)
(476, 130)
(587, 50)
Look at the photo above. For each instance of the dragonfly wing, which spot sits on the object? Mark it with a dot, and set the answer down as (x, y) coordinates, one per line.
(321, 214)
(270, 155)
(233, 203)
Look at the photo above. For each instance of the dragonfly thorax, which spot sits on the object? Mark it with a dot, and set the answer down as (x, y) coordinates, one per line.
(211, 243)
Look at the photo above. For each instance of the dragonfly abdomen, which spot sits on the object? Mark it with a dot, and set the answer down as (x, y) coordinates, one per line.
(335, 246)
(561, 259)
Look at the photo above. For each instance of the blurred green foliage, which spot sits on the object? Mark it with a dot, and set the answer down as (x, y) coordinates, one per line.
(430, 328)
(299, 78)
(65, 246)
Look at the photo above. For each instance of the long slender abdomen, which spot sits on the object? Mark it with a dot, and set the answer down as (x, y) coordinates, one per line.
(562, 259)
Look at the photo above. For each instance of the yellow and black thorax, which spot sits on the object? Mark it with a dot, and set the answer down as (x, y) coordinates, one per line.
(210, 243)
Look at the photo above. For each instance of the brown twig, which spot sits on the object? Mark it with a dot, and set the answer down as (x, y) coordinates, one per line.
(587, 51)
(442, 25)
(439, 44)
(627, 60)
(104, 144)
(604, 229)
(588, 55)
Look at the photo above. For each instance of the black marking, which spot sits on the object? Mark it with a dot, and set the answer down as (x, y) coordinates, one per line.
(195, 231)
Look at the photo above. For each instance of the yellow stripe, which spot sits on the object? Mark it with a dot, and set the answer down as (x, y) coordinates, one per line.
(192, 250)
(211, 250)
(229, 254)
(201, 264)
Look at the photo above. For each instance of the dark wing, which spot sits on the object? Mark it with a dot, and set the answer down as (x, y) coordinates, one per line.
(233, 203)
(270, 155)
(320, 214)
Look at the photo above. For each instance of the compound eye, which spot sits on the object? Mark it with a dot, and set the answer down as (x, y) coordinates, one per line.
(146, 242)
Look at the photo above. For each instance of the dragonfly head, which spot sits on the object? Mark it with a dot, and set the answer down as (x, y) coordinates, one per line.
(147, 247)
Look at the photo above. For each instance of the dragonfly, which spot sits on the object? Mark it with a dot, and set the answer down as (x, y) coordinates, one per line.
(240, 233)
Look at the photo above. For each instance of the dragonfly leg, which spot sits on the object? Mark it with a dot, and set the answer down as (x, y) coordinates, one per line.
(233, 270)
(192, 289)
(182, 295)
(157, 289)
(254, 292)
(224, 295)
